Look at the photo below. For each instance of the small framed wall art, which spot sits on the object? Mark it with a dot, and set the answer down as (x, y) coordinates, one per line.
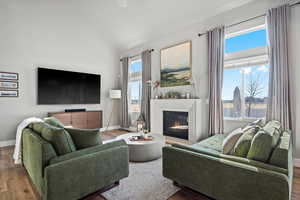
(9, 76)
(9, 93)
(9, 85)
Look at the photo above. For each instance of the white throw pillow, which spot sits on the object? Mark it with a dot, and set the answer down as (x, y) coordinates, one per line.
(259, 122)
(230, 140)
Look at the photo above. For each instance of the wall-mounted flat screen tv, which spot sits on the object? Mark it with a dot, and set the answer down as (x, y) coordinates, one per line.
(65, 87)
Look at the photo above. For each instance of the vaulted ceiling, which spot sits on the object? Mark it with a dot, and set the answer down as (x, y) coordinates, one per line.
(125, 27)
(143, 20)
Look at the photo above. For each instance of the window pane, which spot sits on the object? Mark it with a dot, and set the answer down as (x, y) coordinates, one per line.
(256, 91)
(232, 93)
(135, 66)
(134, 104)
(246, 41)
(245, 92)
(134, 90)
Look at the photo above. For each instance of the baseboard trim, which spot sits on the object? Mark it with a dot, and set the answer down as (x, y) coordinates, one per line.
(7, 143)
(297, 162)
(110, 128)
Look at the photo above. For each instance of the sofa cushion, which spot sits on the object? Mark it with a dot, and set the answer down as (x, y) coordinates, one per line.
(84, 138)
(214, 142)
(58, 137)
(261, 146)
(230, 140)
(280, 154)
(243, 144)
(274, 129)
(53, 122)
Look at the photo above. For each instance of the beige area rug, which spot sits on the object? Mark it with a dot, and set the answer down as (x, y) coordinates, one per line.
(145, 182)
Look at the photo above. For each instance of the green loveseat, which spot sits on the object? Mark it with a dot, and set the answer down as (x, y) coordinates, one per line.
(73, 175)
(202, 167)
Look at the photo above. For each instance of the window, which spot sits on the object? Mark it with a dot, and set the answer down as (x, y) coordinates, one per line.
(246, 75)
(134, 89)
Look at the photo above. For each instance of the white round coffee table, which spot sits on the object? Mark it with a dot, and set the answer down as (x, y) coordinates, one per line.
(142, 151)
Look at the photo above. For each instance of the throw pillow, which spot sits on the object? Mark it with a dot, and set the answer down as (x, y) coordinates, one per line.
(243, 144)
(53, 122)
(261, 146)
(259, 122)
(274, 129)
(84, 138)
(58, 137)
(280, 155)
(230, 141)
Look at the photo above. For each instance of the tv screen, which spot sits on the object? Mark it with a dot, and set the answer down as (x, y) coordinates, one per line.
(65, 87)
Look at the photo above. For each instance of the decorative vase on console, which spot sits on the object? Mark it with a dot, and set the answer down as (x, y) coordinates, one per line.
(155, 85)
(193, 89)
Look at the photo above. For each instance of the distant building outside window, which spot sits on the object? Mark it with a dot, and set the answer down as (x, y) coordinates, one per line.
(246, 75)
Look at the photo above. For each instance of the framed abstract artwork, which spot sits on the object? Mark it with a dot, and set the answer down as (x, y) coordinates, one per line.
(176, 63)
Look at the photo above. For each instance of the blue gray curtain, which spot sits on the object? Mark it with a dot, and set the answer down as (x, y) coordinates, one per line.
(146, 87)
(279, 106)
(124, 97)
(215, 77)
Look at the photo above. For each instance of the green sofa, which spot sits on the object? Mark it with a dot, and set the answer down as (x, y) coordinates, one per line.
(73, 175)
(202, 167)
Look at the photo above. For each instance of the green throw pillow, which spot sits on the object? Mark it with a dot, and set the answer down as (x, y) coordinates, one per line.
(84, 138)
(274, 129)
(53, 122)
(261, 146)
(58, 137)
(280, 154)
(243, 144)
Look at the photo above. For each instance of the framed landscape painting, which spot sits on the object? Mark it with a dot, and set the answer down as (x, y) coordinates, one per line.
(176, 65)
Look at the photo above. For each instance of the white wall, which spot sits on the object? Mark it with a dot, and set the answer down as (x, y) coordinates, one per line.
(56, 36)
(199, 49)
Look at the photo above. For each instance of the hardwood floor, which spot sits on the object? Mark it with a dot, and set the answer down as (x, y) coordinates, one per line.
(15, 184)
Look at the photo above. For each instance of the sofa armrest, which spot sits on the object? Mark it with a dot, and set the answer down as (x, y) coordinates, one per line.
(36, 154)
(86, 151)
(81, 175)
(221, 178)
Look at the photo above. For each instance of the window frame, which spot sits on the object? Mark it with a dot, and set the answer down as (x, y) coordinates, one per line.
(245, 59)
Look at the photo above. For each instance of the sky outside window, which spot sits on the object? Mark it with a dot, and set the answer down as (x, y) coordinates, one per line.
(246, 41)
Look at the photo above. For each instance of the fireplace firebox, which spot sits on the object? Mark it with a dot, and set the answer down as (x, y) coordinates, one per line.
(175, 124)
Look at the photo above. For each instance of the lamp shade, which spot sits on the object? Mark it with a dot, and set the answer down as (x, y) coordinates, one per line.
(115, 94)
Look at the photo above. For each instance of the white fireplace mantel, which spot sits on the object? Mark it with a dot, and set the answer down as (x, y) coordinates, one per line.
(197, 111)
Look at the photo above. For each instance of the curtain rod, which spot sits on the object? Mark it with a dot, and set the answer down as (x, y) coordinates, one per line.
(150, 50)
(252, 18)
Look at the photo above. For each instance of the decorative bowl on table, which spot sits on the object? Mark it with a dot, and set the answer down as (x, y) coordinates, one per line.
(140, 138)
